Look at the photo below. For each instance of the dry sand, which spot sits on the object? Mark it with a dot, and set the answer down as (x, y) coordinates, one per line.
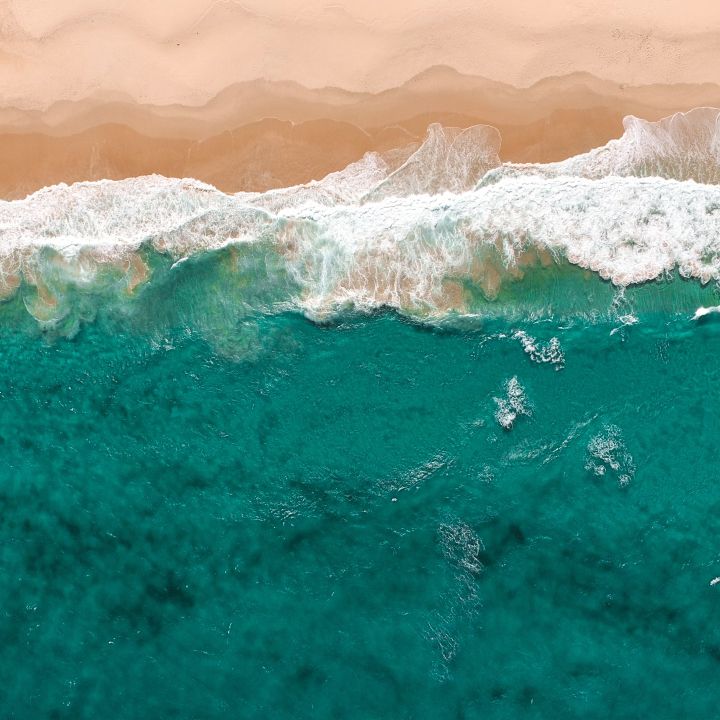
(187, 51)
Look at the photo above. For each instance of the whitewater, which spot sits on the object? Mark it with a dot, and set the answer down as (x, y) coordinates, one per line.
(419, 229)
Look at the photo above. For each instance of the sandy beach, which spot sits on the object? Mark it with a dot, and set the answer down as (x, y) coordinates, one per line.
(95, 89)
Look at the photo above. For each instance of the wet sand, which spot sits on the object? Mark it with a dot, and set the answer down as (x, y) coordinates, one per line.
(308, 137)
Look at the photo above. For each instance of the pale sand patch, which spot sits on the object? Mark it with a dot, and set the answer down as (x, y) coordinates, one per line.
(187, 51)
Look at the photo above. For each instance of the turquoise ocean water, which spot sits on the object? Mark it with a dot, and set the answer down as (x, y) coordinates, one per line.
(213, 514)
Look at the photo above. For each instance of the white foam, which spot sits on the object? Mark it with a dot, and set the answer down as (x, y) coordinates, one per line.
(683, 146)
(408, 230)
(448, 160)
(462, 546)
(398, 251)
(607, 453)
(703, 311)
(513, 404)
(549, 352)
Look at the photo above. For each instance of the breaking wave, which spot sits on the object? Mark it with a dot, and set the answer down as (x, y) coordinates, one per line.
(430, 230)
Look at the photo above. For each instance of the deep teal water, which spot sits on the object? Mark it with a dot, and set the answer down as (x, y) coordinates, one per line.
(333, 524)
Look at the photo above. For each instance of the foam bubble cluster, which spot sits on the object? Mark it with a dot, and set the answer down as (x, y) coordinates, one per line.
(514, 403)
(608, 455)
(549, 352)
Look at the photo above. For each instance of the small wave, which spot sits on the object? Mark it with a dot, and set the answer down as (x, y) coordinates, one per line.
(462, 546)
(607, 454)
(549, 352)
(704, 311)
(684, 146)
(514, 403)
(448, 160)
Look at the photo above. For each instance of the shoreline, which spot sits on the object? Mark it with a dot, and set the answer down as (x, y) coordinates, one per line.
(232, 144)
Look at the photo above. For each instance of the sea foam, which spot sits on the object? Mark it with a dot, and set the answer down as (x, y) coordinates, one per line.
(415, 230)
(514, 403)
(684, 146)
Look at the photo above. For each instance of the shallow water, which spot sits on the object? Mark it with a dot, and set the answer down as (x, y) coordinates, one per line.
(299, 520)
